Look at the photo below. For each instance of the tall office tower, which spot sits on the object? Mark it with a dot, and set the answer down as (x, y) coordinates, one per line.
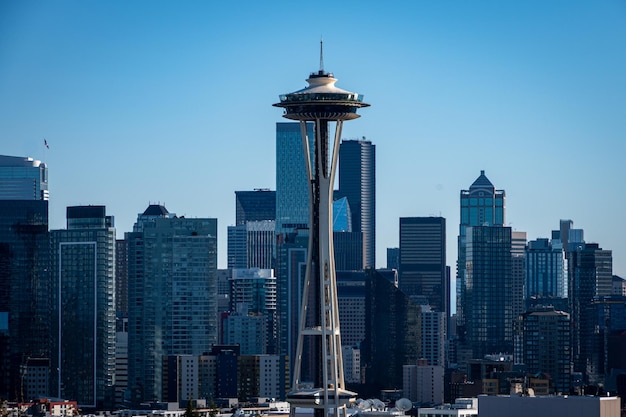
(121, 278)
(423, 260)
(393, 258)
(256, 205)
(481, 205)
(608, 342)
(291, 258)
(172, 290)
(23, 179)
(518, 273)
(348, 244)
(570, 237)
(546, 270)
(488, 295)
(323, 104)
(251, 245)
(351, 295)
(24, 282)
(292, 186)
(545, 344)
(392, 334)
(83, 295)
(590, 274)
(357, 182)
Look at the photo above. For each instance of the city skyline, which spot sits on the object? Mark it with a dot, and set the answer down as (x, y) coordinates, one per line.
(136, 99)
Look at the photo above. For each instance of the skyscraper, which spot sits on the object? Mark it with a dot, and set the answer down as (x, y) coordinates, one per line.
(251, 245)
(172, 294)
(423, 260)
(24, 279)
(518, 273)
(357, 182)
(324, 104)
(292, 186)
(488, 295)
(481, 205)
(83, 279)
(546, 270)
(256, 205)
(545, 345)
(590, 274)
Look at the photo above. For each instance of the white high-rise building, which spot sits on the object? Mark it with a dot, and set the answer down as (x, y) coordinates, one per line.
(433, 336)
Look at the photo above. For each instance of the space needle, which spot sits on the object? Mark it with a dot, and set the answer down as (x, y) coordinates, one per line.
(323, 104)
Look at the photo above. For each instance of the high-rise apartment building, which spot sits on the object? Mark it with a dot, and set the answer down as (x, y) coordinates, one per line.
(433, 335)
(518, 273)
(24, 279)
(121, 278)
(423, 260)
(172, 294)
(357, 182)
(544, 336)
(83, 307)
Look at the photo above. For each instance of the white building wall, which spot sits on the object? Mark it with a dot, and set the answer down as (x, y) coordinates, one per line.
(270, 378)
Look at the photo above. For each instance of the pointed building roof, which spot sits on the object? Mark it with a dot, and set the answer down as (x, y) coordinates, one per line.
(482, 182)
(156, 210)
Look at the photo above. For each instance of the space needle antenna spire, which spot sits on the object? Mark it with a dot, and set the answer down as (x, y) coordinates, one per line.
(318, 379)
(321, 56)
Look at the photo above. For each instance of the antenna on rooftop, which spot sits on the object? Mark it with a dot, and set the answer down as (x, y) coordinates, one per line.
(321, 55)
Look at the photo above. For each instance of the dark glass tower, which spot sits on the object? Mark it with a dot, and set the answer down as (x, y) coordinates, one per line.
(423, 260)
(172, 290)
(24, 279)
(590, 274)
(83, 279)
(255, 205)
(481, 205)
(292, 195)
(357, 182)
(488, 296)
(321, 386)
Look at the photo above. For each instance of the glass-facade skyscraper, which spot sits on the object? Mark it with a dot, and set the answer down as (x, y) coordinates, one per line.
(422, 266)
(24, 279)
(357, 182)
(292, 188)
(172, 289)
(488, 296)
(83, 307)
(256, 205)
(481, 205)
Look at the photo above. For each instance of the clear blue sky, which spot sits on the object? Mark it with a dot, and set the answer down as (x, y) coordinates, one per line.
(154, 101)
